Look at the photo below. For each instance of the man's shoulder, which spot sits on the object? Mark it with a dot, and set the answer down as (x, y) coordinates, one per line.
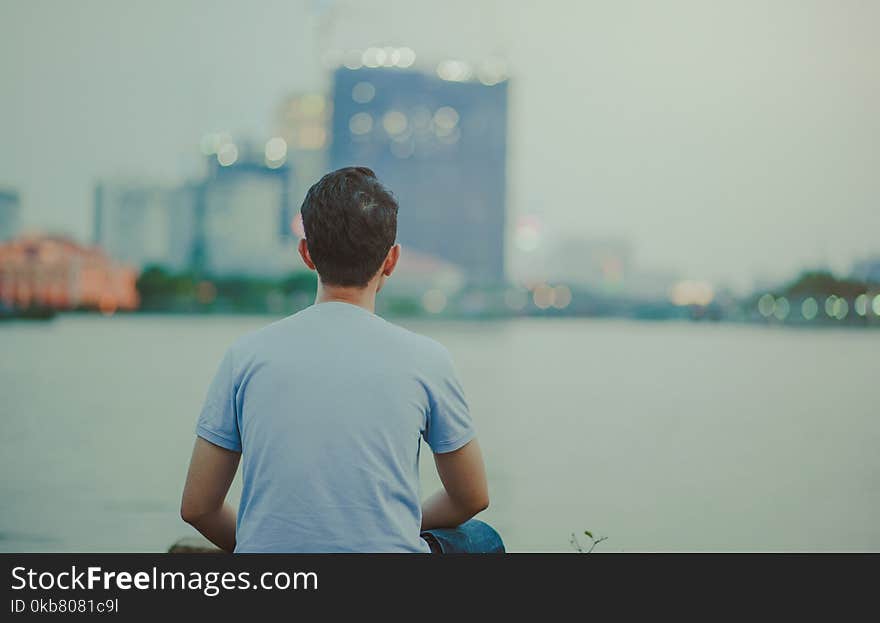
(422, 347)
(257, 339)
(395, 338)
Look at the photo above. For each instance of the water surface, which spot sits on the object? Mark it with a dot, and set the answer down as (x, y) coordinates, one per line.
(661, 436)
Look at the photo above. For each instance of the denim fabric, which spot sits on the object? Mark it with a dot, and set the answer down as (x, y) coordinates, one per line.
(471, 537)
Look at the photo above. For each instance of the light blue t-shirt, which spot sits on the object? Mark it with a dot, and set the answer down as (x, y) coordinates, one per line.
(328, 408)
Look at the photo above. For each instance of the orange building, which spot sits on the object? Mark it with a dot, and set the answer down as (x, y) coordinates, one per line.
(57, 273)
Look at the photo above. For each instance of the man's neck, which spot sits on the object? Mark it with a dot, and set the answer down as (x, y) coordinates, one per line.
(362, 297)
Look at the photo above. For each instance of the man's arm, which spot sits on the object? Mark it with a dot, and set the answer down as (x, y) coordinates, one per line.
(465, 492)
(211, 470)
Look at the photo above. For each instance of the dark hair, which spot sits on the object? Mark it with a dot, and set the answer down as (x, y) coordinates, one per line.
(350, 221)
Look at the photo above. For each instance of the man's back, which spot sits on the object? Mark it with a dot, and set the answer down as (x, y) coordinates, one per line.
(328, 407)
(325, 409)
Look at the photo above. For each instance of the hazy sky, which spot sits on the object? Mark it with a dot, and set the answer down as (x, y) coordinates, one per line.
(727, 140)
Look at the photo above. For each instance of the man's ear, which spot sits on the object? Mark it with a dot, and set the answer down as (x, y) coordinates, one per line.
(304, 254)
(391, 260)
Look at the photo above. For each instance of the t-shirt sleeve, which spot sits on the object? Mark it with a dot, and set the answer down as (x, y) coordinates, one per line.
(218, 420)
(449, 425)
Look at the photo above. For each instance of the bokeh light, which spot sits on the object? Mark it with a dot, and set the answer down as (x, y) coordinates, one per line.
(445, 119)
(360, 123)
(690, 292)
(492, 71)
(394, 122)
(527, 236)
(782, 308)
(227, 154)
(434, 301)
(860, 305)
(829, 305)
(374, 57)
(405, 57)
(275, 152)
(561, 296)
(454, 71)
(766, 305)
(543, 296)
(363, 92)
(809, 308)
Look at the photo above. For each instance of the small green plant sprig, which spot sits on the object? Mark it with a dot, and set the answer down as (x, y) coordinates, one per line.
(589, 547)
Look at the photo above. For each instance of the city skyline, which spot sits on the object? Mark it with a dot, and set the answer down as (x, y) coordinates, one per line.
(726, 143)
(440, 145)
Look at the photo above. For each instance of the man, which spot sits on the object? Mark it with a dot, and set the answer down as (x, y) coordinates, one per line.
(326, 410)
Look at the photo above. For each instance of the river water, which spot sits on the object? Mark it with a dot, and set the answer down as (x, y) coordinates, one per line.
(660, 436)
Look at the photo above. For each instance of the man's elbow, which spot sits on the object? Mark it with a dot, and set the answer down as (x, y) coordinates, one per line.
(191, 513)
(188, 515)
(478, 504)
(483, 505)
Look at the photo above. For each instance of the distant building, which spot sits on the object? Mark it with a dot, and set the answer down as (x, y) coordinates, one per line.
(144, 224)
(596, 262)
(303, 122)
(417, 273)
(867, 270)
(601, 264)
(58, 273)
(182, 226)
(243, 217)
(10, 213)
(440, 146)
(236, 220)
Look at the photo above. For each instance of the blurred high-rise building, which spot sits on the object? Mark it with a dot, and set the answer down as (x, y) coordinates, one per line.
(10, 213)
(554, 254)
(303, 122)
(595, 262)
(144, 224)
(439, 143)
(243, 213)
(601, 264)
